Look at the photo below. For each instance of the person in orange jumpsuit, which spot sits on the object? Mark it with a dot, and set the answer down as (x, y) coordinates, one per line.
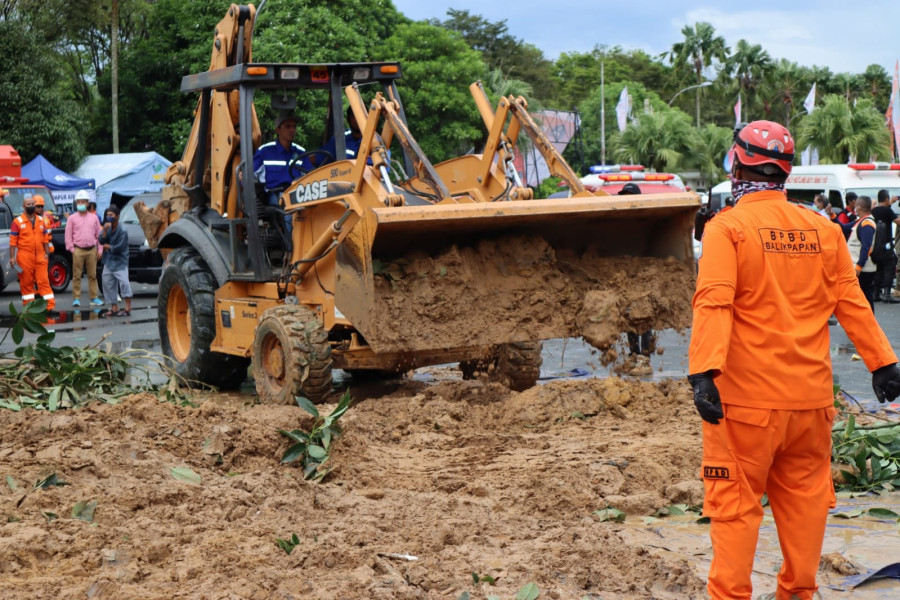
(771, 275)
(49, 220)
(29, 250)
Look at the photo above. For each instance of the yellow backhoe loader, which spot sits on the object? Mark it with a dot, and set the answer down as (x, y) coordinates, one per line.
(236, 291)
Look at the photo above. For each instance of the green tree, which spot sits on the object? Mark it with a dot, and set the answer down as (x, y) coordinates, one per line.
(500, 50)
(748, 65)
(591, 126)
(37, 116)
(701, 46)
(877, 84)
(438, 68)
(577, 74)
(783, 90)
(655, 139)
(840, 131)
(708, 146)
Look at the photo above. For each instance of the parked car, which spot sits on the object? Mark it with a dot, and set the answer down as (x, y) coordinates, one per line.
(6, 271)
(144, 263)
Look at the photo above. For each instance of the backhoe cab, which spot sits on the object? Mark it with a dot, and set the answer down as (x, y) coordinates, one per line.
(235, 292)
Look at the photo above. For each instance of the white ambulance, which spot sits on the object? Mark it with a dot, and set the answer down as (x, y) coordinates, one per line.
(802, 185)
(865, 179)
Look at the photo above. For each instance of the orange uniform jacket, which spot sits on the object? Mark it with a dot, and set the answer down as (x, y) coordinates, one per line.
(29, 239)
(771, 275)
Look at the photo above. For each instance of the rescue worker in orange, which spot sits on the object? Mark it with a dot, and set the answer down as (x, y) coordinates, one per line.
(29, 251)
(49, 220)
(771, 275)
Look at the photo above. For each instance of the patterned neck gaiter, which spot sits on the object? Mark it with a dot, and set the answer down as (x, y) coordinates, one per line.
(739, 187)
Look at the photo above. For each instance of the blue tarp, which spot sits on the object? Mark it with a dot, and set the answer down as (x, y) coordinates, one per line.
(63, 186)
(127, 174)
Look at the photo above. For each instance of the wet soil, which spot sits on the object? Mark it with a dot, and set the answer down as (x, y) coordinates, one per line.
(519, 288)
(463, 475)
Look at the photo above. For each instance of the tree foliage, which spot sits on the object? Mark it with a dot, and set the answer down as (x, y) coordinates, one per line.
(438, 68)
(656, 139)
(38, 116)
(840, 131)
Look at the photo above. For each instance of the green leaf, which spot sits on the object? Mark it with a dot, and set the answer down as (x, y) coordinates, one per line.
(84, 511)
(294, 452)
(884, 513)
(703, 521)
(298, 436)
(186, 475)
(326, 437)
(610, 514)
(850, 514)
(490, 580)
(309, 470)
(49, 481)
(11, 483)
(18, 332)
(50, 516)
(53, 401)
(306, 405)
(465, 595)
(474, 577)
(289, 544)
(317, 452)
(529, 591)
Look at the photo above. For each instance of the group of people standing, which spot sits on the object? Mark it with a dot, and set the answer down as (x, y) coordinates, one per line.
(89, 239)
(868, 229)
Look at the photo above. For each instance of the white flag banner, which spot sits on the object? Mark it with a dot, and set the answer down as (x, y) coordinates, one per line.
(737, 111)
(805, 157)
(810, 103)
(622, 109)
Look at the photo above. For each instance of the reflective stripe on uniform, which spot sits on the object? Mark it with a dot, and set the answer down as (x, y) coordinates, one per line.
(27, 296)
(48, 297)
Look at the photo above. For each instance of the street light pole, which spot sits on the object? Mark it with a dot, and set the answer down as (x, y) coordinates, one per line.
(692, 87)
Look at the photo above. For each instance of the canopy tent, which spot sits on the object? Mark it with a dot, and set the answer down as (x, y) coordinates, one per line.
(125, 175)
(63, 186)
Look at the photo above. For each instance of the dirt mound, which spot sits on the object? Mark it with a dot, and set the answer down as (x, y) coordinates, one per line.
(465, 476)
(519, 288)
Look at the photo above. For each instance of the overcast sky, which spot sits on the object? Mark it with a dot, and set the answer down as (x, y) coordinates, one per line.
(841, 35)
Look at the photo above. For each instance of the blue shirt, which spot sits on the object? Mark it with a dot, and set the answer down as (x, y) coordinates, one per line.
(116, 258)
(352, 144)
(271, 164)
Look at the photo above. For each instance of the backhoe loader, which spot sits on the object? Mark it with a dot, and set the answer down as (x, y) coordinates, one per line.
(238, 289)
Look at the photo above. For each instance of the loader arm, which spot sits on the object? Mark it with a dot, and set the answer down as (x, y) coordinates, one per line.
(207, 167)
(395, 127)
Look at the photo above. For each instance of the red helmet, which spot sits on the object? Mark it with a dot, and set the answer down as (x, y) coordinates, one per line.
(762, 143)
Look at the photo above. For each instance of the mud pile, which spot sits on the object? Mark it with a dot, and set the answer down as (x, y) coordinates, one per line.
(519, 288)
(465, 476)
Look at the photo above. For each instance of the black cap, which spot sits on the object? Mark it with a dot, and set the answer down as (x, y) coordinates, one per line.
(629, 188)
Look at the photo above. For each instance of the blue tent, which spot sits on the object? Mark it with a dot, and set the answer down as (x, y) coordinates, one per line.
(127, 174)
(63, 186)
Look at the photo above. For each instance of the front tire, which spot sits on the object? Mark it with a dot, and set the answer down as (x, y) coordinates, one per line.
(187, 322)
(291, 356)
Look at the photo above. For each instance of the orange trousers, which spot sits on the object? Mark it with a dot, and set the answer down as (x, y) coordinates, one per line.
(787, 455)
(34, 271)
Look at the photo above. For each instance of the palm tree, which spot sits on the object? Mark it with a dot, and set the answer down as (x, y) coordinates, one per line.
(700, 47)
(878, 85)
(658, 139)
(846, 84)
(748, 64)
(783, 88)
(708, 146)
(840, 131)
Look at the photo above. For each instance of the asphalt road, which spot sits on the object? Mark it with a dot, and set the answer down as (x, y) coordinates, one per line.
(89, 326)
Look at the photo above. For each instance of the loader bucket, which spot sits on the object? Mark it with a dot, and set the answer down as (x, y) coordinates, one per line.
(416, 278)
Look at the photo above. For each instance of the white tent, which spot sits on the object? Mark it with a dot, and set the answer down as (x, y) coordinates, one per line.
(126, 174)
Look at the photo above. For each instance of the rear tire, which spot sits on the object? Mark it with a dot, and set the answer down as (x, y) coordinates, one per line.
(59, 272)
(291, 356)
(187, 322)
(516, 365)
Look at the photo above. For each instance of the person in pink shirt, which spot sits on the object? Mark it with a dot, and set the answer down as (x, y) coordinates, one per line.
(82, 233)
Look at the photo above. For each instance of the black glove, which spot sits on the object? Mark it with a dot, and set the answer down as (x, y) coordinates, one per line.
(886, 383)
(706, 396)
